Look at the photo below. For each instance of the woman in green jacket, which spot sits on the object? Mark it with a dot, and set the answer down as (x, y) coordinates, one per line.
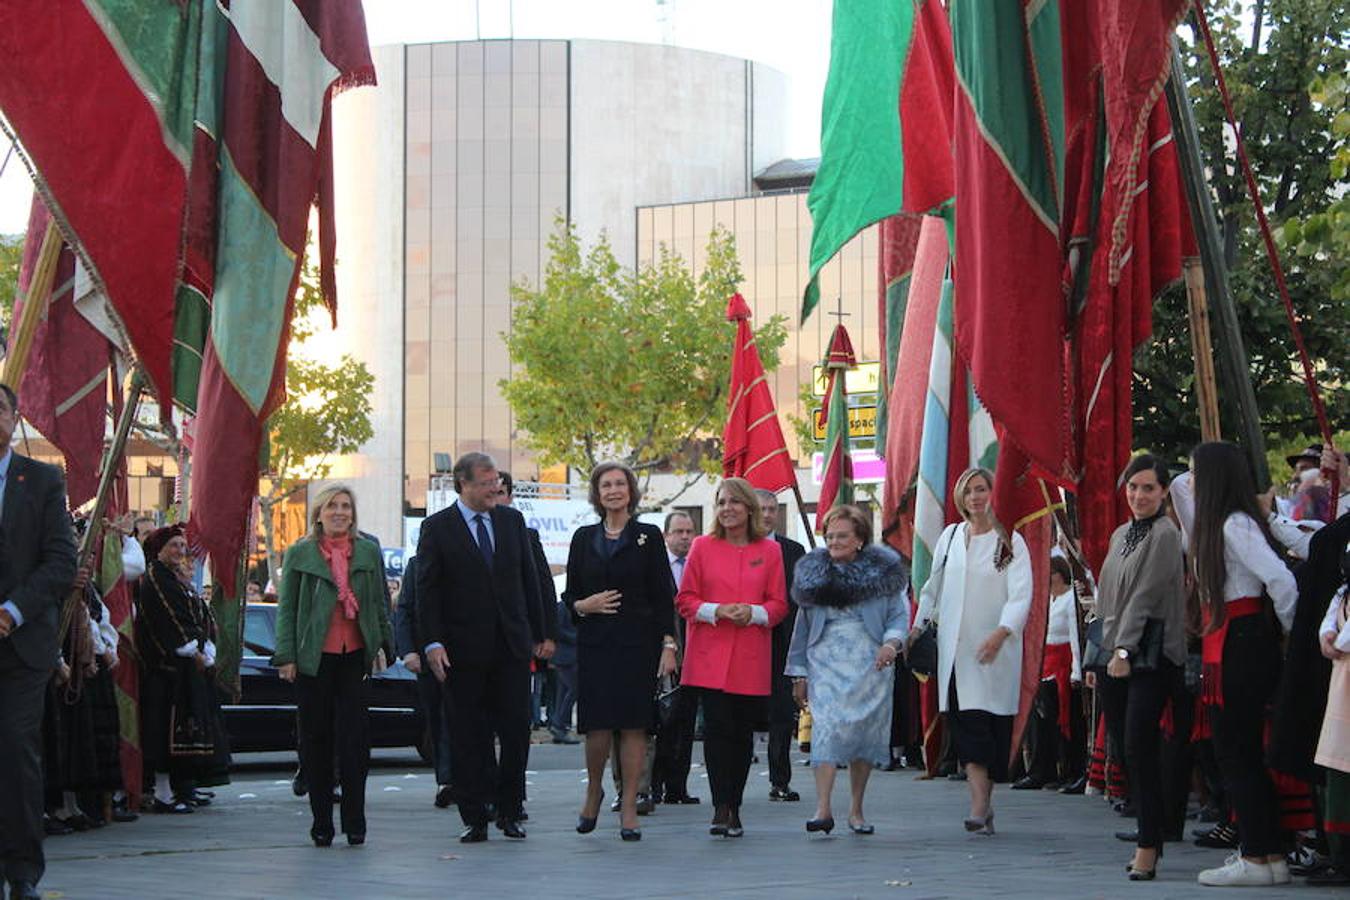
(332, 630)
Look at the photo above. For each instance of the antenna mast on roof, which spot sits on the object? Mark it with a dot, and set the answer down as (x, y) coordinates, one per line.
(665, 20)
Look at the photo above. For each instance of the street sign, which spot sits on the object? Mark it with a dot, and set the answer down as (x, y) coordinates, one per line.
(862, 422)
(865, 379)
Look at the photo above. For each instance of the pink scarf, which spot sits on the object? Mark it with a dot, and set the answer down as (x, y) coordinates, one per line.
(338, 552)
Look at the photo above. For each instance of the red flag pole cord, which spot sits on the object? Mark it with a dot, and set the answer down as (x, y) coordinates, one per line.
(1309, 379)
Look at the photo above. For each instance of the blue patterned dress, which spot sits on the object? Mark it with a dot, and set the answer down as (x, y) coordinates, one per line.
(850, 700)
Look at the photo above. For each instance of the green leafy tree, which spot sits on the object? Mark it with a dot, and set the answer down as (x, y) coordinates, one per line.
(11, 253)
(1284, 63)
(623, 365)
(326, 414)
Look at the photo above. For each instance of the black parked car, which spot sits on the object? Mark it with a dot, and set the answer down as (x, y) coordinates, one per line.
(264, 717)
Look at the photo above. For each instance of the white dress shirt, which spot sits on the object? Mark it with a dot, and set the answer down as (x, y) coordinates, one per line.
(1250, 565)
(1062, 628)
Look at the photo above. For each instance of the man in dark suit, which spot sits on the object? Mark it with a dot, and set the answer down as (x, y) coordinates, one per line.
(37, 570)
(429, 689)
(782, 708)
(478, 611)
(675, 739)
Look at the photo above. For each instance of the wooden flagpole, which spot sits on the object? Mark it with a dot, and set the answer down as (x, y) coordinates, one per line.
(1202, 351)
(35, 303)
(93, 534)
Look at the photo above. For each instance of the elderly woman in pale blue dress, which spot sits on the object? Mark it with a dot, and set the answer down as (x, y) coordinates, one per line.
(851, 622)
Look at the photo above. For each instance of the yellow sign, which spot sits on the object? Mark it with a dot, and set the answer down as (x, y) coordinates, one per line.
(862, 422)
(866, 379)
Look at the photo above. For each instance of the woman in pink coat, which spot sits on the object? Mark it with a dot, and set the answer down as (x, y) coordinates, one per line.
(732, 595)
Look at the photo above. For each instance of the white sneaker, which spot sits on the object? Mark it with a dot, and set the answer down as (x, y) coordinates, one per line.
(1239, 873)
(1279, 872)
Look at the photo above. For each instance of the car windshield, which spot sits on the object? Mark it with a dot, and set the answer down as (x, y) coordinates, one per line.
(259, 630)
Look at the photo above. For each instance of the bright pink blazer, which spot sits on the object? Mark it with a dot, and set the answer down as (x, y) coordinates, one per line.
(733, 658)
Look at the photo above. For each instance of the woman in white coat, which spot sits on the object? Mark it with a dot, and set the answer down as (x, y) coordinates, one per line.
(979, 594)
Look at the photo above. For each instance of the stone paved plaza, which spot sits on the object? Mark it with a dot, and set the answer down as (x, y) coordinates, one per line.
(253, 842)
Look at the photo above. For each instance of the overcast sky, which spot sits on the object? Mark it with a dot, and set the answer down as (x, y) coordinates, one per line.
(790, 35)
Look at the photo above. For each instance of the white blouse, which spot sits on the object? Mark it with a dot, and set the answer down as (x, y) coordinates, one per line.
(1062, 628)
(1342, 642)
(1250, 565)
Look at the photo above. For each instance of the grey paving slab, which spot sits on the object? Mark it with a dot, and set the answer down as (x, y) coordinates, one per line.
(253, 843)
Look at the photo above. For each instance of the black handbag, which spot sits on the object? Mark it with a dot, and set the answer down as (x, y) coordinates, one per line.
(1095, 656)
(1146, 659)
(922, 657)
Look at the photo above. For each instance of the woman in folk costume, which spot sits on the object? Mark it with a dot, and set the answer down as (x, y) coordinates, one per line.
(1142, 603)
(851, 618)
(1333, 744)
(979, 593)
(178, 711)
(1237, 564)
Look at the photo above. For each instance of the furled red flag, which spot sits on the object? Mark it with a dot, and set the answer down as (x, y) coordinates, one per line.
(100, 95)
(264, 135)
(752, 439)
(897, 239)
(64, 388)
(836, 488)
(909, 387)
(885, 132)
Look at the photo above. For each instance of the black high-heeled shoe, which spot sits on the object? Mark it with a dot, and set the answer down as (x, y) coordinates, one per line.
(721, 815)
(825, 825)
(586, 824)
(1143, 874)
(734, 827)
(630, 834)
(861, 828)
(322, 838)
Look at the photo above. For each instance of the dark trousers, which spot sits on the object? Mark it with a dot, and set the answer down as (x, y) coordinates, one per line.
(1134, 708)
(782, 730)
(675, 745)
(1054, 757)
(564, 699)
(487, 703)
(23, 693)
(334, 719)
(1251, 664)
(728, 742)
(429, 693)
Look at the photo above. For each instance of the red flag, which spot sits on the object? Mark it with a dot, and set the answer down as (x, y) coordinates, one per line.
(752, 439)
(64, 388)
(102, 133)
(837, 486)
(909, 384)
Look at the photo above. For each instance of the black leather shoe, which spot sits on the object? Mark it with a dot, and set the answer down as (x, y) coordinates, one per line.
(784, 795)
(825, 825)
(1130, 837)
(616, 805)
(1221, 837)
(1076, 787)
(511, 828)
(445, 795)
(23, 890)
(299, 786)
(682, 799)
(645, 805)
(178, 807)
(1028, 783)
(356, 840)
(54, 827)
(721, 815)
(321, 840)
(1330, 876)
(630, 834)
(734, 827)
(473, 834)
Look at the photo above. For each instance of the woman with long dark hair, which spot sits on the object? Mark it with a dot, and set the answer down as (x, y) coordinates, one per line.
(1142, 603)
(1237, 565)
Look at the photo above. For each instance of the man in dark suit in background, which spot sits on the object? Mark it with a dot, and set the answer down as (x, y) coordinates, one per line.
(675, 739)
(37, 570)
(478, 611)
(782, 708)
(429, 691)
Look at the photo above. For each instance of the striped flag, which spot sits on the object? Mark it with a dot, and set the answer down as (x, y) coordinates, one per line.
(752, 439)
(112, 584)
(264, 135)
(885, 133)
(836, 488)
(204, 140)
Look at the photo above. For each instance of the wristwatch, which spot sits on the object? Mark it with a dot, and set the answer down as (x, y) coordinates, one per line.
(1122, 653)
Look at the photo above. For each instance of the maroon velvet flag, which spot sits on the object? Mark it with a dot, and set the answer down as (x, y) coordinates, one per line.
(836, 488)
(752, 439)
